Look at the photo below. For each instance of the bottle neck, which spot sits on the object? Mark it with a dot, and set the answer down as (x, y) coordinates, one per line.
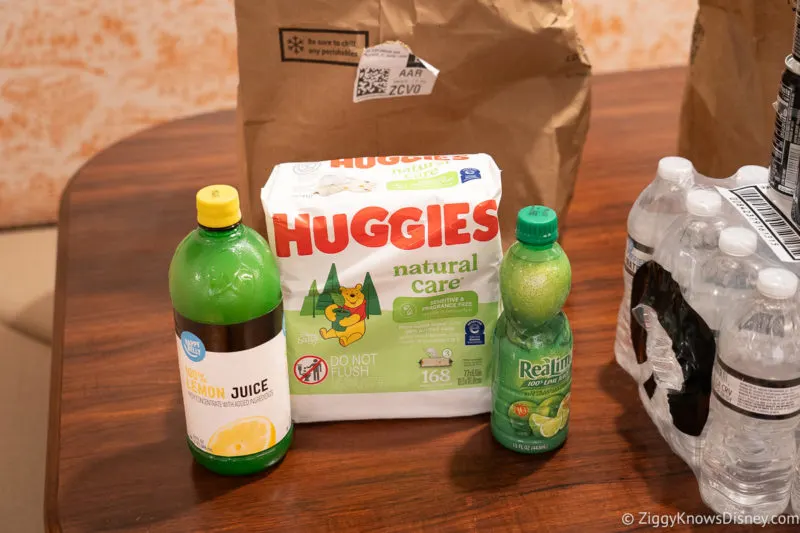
(669, 182)
(220, 233)
(776, 301)
(536, 247)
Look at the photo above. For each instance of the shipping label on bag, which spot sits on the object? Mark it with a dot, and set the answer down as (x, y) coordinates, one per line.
(391, 70)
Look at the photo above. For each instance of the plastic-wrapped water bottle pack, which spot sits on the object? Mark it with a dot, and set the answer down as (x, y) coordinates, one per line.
(709, 327)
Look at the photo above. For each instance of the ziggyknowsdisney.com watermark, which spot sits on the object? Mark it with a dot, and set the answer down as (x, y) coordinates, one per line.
(656, 520)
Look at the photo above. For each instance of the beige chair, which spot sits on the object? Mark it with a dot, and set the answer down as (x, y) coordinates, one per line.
(27, 278)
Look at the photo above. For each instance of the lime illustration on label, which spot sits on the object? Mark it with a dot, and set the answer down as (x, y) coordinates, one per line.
(535, 398)
(544, 420)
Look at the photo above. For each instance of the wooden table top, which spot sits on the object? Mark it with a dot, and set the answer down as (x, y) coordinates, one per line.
(118, 459)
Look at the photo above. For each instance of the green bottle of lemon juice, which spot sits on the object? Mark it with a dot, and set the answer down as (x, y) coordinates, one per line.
(532, 345)
(226, 295)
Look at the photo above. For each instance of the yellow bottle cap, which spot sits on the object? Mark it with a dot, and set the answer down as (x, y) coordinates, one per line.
(218, 206)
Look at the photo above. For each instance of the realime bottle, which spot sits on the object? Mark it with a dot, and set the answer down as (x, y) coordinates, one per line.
(533, 341)
(225, 290)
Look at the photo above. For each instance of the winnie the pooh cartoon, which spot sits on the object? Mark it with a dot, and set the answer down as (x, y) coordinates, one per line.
(347, 320)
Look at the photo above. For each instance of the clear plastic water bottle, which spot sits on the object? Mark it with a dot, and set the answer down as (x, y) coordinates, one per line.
(693, 238)
(727, 277)
(721, 283)
(689, 243)
(749, 456)
(652, 213)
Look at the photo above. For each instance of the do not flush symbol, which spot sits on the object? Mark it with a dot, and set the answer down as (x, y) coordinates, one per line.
(311, 370)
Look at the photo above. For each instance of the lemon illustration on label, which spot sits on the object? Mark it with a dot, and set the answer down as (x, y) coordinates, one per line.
(243, 437)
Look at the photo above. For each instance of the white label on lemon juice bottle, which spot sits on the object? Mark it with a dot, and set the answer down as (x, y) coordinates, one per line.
(235, 384)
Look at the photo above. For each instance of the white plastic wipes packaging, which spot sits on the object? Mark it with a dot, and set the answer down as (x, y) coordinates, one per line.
(389, 269)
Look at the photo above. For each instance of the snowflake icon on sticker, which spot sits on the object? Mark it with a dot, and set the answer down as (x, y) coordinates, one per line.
(295, 44)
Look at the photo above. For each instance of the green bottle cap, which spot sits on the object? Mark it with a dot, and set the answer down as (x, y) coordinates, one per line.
(537, 225)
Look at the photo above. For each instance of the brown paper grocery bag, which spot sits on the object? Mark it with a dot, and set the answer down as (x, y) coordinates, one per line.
(737, 55)
(513, 82)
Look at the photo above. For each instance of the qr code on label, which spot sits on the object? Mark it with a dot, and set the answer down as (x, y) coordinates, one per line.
(372, 81)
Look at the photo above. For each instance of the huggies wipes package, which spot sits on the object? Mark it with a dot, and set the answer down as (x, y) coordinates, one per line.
(389, 269)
